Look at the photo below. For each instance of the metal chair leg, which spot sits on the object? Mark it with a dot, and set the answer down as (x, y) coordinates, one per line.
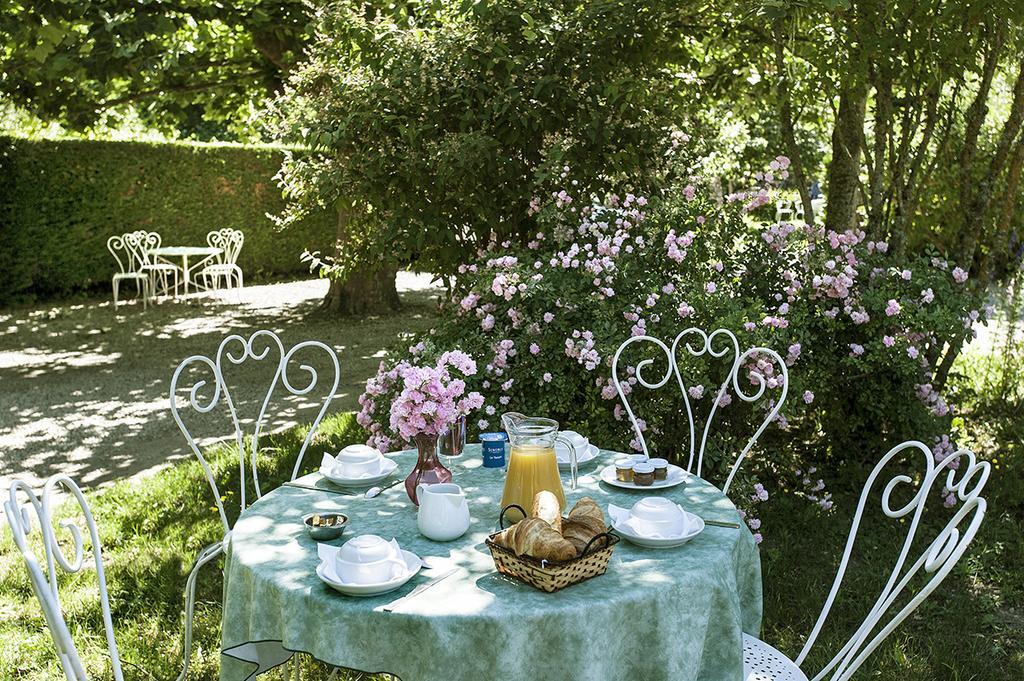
(204, 557)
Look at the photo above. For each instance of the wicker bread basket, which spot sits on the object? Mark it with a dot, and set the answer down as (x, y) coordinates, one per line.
(552, 575)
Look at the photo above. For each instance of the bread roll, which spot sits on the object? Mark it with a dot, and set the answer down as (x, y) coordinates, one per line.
(547, 508)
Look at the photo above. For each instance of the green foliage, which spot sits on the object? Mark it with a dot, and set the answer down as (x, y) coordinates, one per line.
(199, 66)
(435, 131)
(61, 200)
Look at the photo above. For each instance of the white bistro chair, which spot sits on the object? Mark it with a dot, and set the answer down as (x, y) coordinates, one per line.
(784, 209)
(762, 377)
(762, 662)
(157, 270)
(238, 350)
(225, 265)
(43, 574)
(129, 252)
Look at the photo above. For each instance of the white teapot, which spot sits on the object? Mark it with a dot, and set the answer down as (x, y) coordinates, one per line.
(444, 513)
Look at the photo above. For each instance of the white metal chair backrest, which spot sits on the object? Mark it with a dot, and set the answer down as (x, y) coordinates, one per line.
(129, 250)
(705, 346)
(247, 350)
(149, 241)
(44, 583)
(230, 241)
(938, 558)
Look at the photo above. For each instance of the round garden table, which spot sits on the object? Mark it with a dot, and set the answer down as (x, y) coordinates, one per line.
(656, 614)
(186, 252)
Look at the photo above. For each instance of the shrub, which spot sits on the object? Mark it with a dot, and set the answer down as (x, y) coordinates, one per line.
(61, 200)
(857, 327)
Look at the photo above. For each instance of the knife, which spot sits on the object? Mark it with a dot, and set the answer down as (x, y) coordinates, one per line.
(418, 590)
(721, 523)
(344, 493)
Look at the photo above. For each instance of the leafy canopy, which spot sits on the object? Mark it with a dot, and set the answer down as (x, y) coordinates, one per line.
(437, 130)
(183, 63)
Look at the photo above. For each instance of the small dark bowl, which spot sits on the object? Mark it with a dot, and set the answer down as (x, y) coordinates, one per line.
(325, 532)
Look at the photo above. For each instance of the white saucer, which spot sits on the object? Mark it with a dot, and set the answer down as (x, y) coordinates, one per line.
(325, 571)
(387, 468)
(676, 476)
(588, 455)
(695, 526)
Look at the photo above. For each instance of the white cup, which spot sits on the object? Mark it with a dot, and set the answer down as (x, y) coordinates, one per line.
(660, 515)
(369, 559)
(357, 461)
(579, 442)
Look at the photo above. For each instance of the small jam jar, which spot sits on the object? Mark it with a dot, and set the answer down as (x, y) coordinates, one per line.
(660, 468)
(624, 470)
(643, 474)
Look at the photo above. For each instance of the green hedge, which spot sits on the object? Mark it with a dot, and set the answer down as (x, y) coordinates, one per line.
(61, 199)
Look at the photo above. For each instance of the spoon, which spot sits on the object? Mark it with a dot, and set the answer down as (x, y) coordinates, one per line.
(375, 491)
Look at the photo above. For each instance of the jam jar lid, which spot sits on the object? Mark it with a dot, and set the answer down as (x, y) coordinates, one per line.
(624, 463)
(659, 463)
(643, 467)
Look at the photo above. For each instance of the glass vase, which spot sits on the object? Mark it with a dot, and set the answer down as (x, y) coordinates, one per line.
(454, 439)
(429, 470)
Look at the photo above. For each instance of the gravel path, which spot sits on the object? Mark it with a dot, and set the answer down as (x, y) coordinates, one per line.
(84, 390)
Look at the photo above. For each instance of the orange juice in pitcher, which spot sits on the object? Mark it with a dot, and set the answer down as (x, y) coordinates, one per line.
(532, 465)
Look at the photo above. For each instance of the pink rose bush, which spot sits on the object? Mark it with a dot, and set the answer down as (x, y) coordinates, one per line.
(846, 314)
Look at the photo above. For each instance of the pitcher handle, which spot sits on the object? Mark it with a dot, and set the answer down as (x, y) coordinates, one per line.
(572, 459)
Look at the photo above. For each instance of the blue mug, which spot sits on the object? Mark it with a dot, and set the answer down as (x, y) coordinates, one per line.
(493, 449)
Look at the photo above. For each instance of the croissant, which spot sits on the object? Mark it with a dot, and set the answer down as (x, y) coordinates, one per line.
(535, 538)
(580, 530)
(547, 508)
(587, 507)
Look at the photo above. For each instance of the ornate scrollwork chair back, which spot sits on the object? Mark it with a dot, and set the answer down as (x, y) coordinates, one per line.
(44, 575)
(697, 343)
(965, 477)
(226, 262)
(129, 251)
(206, 394)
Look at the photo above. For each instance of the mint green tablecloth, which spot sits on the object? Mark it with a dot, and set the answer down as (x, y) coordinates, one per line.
(657, 614)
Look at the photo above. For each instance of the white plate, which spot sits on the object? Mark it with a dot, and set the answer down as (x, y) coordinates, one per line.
(676, 476)
(695, 526)
(586, 457)
(325, 571)
(387, 468)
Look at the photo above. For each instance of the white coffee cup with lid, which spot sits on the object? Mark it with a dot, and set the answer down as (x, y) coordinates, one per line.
(369, 559)
(657, 516)
(356, 461)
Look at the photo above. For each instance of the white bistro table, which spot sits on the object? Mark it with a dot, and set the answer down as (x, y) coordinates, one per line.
(185, 252)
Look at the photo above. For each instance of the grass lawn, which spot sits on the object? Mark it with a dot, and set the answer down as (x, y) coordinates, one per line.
(151, 530)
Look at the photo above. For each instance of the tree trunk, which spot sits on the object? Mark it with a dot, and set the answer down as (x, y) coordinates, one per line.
(366, 289)
(783, 95)
(363, 291)
(844, 170)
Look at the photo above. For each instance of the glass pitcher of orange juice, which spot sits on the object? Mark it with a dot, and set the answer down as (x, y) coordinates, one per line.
(532, 464)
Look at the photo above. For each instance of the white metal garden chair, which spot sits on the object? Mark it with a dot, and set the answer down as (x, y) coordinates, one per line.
(128, 251)
(230, 242)
(705, 346)
(762, 662)
(157, 270)
(44, 579)
(784, 209)
(256, 348)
